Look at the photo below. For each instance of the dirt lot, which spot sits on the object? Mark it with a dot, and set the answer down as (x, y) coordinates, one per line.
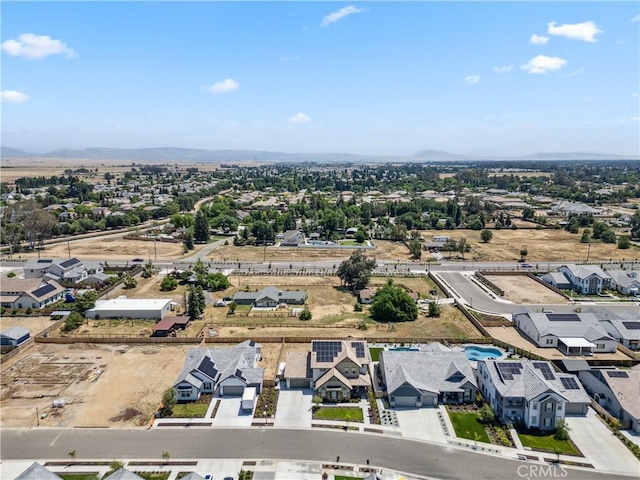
(133, 377)
(542, 246)
(522, 289)
(384, 251)
(34, 324)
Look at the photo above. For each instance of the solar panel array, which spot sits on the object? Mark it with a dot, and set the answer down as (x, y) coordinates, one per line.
(44, 290)
(239, 374)
(326, 351)
(563, 317)
(44, 260)
(631, 325)
(617, 374)
(545, 370)
(208, 367)
(68, 263)
(570, 383)
(358, 347)
(509, 369)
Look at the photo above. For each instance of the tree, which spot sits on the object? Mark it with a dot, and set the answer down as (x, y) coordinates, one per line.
(415, 247)
(201, 227)
(635, 225)
(355, 271)
(263, 232)
(463, 246)
(523, 253)
(360, 236)
(393, 304)
(528, 213)
(586, 236)
(624, 242)
(130, 282)
(434, 309)
(86, 302)
(169, 399)
(195, 302)
(486, 235)
(305, 314)
(187, 239)
(73, 321)
(485, 414)
(168, 283)
(608, 236)
(232, 308)
(562, 430)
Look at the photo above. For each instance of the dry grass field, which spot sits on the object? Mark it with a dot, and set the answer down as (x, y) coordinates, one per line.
(34, 324)
(542, 246)
(522, 289)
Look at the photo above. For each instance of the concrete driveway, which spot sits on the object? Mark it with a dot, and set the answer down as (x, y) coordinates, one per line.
(229, 414)
(421, 424)
(294, 408)
(600, 446)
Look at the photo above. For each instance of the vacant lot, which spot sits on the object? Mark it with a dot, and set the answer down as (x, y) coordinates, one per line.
(522, 289)
(34, 324)
(384, 250)
(125, 393)
(541, 245)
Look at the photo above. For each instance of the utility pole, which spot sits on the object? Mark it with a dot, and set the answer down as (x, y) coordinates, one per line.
(68, 248)
(588, 249)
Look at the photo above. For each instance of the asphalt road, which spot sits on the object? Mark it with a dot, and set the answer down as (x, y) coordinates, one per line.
(312, 445)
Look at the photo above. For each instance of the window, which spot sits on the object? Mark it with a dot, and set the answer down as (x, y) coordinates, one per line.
(185, 393)
(535, 405)
(534, 420)
(547, 422)
(353, 370)
(549, 341)
(599, 346)
(559, 407)
(548, 407)
(207, 386)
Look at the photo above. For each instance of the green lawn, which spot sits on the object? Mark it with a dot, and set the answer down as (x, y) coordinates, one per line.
(547, 443)
(375, 353)
(344, 477)
(467, 425)
(154, 475)
(350, 242)
(78, 476)
(339, 413)
(190, 410)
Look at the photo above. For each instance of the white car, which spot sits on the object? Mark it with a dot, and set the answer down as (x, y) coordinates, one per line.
(209, 476)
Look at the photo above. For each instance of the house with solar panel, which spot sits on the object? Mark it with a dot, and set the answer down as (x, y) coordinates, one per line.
(626, 282)
(339, 368)
(571, 333)
(69, 271)
(226, 371)
(617, 391)
(530, 392)
(29, 292)
(623, 326)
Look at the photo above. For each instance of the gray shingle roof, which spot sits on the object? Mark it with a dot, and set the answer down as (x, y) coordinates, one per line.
(37, 472)
(584, 271)
(587, 327)
(428, 371)
(15, 333)
(618, 321)
(271, 292)
(123, 474)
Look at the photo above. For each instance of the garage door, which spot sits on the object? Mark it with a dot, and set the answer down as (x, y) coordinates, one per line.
(576, 409)
(232, 390)
(299, 383)
(409, 401)
(429, 400)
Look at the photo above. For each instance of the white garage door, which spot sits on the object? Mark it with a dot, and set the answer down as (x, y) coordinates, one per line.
(429, 400)
(409, 401)
(232, 390)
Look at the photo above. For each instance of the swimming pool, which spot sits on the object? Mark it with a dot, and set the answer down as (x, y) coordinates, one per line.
(480, 353)
(404, 349)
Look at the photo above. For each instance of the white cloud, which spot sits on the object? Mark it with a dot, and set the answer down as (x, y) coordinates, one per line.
(636, 18)
(539, 39)
(333, 17)
(32, 46)
(578, 31)
(224, 86)
(629, 120)
(13, 96)
(543, 64)
(300, 118)
(472, 79)
(504, 69)
(635, 94)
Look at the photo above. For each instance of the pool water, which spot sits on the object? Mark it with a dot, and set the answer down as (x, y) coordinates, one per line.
(480, 353)
(404, 349)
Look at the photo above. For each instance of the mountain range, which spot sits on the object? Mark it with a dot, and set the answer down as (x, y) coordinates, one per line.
(175, 154)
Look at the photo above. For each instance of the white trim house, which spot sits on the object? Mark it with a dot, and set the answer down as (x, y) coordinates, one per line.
(586, 279)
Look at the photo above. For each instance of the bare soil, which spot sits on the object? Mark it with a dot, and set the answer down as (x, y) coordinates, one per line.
(34, 324)
(522, 289)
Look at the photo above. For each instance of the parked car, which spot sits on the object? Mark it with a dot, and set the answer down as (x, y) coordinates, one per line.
(138, 260)
(209, 476)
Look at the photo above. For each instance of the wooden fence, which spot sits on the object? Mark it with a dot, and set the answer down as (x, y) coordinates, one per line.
(489, 284)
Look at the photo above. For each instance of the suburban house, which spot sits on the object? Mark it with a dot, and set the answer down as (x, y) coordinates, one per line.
(626, 282)
(292, 238)
(14, 336)
(36, 471)
(617, 391)
(571, 333)
(586, 279)
(270, 297)
(123, 307)
(70, 270)
(123, 474)
(227, 371)
(29, 292)
(558, 280)
(531, 392)
(427, 378)
(623, 326)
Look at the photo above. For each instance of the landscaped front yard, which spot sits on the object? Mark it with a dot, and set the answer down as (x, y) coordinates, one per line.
(190, 410)
(548, 443)
(467, 425)
(345, 414)
(375, 353)
(79, 476)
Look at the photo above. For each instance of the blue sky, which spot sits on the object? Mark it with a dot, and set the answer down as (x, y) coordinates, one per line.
(370, 78)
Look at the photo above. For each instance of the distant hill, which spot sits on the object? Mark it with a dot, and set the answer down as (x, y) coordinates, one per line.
(175, 154)
(13, 153)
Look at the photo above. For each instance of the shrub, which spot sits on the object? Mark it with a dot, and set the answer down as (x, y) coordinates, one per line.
(305, 314)
(486, 414)
(11, 274)
(357, 307)
(168, 283)
(29, 311)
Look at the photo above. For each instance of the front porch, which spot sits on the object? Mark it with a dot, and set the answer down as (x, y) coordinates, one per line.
(576, 346)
